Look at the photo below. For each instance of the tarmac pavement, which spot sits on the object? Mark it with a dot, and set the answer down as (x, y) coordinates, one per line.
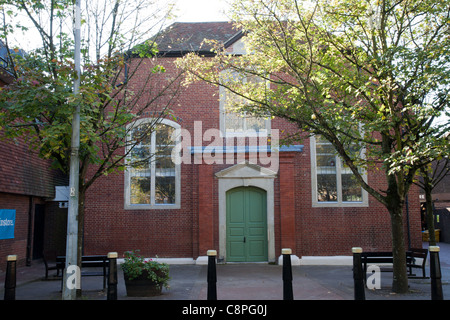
(255, 282)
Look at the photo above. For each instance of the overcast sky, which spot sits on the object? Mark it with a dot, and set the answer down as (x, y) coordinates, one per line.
(201, 10)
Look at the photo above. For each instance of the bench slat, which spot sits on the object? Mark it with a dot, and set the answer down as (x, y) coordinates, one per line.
(92, 261)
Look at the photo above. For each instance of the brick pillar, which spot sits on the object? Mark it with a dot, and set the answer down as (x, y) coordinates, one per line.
(287, 203)
(205, 208)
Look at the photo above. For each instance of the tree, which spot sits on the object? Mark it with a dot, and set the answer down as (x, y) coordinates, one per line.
(40, 102)
(368, 76)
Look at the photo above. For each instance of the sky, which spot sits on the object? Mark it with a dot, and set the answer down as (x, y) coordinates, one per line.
(186, 11)
(201, 10)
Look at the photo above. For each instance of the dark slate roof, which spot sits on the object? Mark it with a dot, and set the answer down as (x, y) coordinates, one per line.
(183, 37)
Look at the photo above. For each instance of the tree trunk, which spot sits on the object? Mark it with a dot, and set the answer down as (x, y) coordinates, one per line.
(394, 202)
(429, 209)
(400, 276)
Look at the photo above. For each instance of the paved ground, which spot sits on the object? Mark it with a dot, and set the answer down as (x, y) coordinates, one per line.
(238, 282)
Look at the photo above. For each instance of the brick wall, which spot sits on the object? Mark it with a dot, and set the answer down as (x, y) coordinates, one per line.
(24, 177)
(23, 230)
(23, 172)
(18, 245)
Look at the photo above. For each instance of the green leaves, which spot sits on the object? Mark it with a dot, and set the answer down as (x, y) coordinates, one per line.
(147, 49)
(372, 72)
(135, 265)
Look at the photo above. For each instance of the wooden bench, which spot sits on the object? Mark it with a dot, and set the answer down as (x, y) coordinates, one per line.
(417, 253)
(49, 267)
(384, 260)
(94, 261)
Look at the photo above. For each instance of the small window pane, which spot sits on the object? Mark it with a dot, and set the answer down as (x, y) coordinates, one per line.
(164, 136)
(139, 157)
(351, 190)
(326, 163)
(326, 187)
(326, 171)
(234, 122)
(164, 167)
(325, 148)
(142, 134)
(165, 190)
(256, 124)
(140, 187)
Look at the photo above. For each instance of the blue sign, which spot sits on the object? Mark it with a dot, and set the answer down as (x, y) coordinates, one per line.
(7, 222)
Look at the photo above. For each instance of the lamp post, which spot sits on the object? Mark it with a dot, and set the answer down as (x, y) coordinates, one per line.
(69, 292)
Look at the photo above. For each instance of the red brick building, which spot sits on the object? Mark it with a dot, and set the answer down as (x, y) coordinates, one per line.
(246, 210)
(242, 199)
(27, 192)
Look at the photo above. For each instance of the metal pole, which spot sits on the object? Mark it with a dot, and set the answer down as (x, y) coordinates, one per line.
(10, 280)
(287, 275)
(435, 274)
(69, 292)
(212, 275)
(358, 276)
(112, 276)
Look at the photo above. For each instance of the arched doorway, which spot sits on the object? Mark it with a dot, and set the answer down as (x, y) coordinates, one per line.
(246, 175)
(246, 225)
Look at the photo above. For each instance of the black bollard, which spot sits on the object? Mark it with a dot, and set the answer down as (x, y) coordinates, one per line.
(112, 276)
(287, 275)
(10, 280)
(358, 276)
(435, 274)
(212, 275)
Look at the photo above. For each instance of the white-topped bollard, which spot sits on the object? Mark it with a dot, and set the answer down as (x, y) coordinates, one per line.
(357, 250)
(358, 276)
(287, 274)
(435, 274)
(211, 253)
(212, 276)
(10, 279)
(112, 276)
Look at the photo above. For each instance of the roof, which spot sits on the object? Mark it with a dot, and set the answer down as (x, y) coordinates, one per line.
(183, 37)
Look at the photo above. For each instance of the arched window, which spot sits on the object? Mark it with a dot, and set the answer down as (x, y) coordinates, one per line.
(152, 179)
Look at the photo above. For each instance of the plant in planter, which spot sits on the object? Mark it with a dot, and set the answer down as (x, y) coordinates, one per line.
(144, 278)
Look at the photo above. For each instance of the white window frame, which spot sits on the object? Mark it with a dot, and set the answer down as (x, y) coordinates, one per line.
(127, 174)
(245, 133)
(339, 203)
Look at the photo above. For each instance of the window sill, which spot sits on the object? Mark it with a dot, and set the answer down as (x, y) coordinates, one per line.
(152, 207)
(340, 205)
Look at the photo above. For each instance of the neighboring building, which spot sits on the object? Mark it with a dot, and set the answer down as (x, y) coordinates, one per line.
(441, 204)
(27, 188)
(246, 211)
(5, 71)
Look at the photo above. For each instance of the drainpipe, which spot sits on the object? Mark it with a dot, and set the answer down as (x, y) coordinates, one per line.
(30, 230)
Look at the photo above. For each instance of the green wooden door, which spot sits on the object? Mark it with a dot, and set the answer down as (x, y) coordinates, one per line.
(246, 225)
